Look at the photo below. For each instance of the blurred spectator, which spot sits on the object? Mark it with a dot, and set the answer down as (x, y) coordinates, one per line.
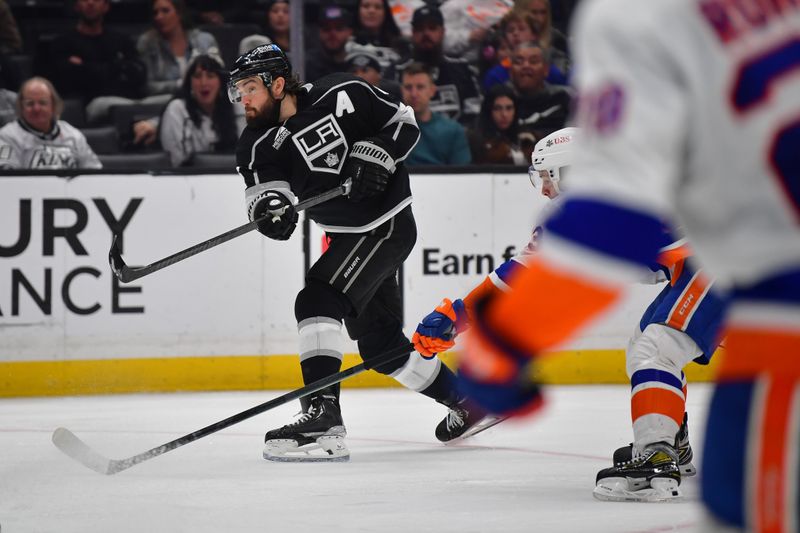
(549, 37)
(10, 38)
(366, 66)
(8, 95)
(468, 24)
(8, 106)
(561, 11)
(543, 108)
(167, 48)
(375, 25)
(519, 27)
(38, 140)
(276, 28)
(495, 138)
(457, 93)
(442, 140)
(200, 118)
(91, 60)
(335, 29)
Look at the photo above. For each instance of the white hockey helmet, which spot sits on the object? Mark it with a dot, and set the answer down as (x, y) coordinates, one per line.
(551, 154)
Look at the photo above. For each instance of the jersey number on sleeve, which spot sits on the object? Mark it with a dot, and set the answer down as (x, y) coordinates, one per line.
(753, 86)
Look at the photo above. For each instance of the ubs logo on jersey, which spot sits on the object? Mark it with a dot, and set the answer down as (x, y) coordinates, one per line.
(322, 145)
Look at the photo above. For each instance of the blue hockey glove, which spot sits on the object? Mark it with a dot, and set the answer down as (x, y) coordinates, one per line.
(437, 331)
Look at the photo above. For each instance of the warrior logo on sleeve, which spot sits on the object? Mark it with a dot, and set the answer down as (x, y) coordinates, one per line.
(322, 145)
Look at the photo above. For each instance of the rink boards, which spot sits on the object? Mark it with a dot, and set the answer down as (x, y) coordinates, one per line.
(224, 319)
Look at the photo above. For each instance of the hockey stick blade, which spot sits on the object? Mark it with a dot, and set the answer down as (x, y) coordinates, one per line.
(75, 448)
(126, 274)
(67, 442)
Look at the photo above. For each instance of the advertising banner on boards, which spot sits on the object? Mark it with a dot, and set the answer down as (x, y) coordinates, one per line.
(60, 301)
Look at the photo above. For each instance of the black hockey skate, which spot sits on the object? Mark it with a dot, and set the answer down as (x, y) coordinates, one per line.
(317, 435)
(682, 446)
(653, 476)
(464, 420)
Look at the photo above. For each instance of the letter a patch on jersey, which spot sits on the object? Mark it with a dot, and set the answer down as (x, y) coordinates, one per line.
(322, 145)
(343, 104)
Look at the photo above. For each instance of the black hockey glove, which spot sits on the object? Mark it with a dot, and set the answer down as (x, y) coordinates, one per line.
(281, 216)
(369, 167)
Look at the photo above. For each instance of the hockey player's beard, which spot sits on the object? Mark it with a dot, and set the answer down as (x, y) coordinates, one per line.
(268, 117)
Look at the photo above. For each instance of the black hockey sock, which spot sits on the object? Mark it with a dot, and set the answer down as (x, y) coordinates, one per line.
(443, 388)
(316, 368)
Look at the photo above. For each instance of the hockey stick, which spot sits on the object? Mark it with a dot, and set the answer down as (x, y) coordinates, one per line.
(127, 274)
(70, 444)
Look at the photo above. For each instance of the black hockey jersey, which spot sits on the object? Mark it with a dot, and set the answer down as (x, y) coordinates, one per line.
(307, 152)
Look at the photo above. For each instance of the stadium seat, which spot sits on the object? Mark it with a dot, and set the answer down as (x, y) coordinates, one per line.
(124, 116)
(214, 161)
(74, 112)
(228, 37)
(136, 162)
(103, 140)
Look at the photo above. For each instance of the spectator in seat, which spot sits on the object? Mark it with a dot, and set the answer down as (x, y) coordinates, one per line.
(91, 61)
(276, 29)
(542, 108)
(8, 94)
(442, 140)
(366, 66)
(494, 140)
(200, 118)
(457, 92)
(169, 46)
(519, 27)
(375, 25)
(37, 139)
(335, 26)
(10, 38)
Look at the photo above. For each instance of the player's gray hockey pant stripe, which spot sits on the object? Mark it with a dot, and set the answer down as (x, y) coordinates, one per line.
(418, 373)
(369, 255)
(347, 259)
(320, 335)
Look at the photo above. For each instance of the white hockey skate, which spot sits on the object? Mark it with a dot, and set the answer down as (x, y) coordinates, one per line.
(653, 476)
(316, 436)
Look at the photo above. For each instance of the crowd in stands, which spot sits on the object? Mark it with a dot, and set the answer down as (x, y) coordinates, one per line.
(141, 84)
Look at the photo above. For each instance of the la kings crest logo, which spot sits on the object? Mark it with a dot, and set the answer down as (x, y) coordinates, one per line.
(322, 145)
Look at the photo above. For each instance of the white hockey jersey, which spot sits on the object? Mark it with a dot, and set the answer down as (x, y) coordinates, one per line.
(714, 136)
(63, 147)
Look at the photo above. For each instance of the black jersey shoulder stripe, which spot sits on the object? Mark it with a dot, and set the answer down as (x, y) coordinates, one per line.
(253, 153)
(358, 82)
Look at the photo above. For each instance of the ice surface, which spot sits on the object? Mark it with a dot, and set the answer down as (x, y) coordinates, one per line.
(534, 475)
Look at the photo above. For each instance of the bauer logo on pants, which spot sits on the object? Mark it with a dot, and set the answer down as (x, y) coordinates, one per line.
(322, 145)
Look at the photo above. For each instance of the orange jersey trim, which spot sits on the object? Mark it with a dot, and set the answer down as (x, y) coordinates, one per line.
(772, 467)
(752, 351)
(546, 306)
(670, 257)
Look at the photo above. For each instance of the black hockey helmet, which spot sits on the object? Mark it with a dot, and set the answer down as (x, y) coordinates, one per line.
(267, 62)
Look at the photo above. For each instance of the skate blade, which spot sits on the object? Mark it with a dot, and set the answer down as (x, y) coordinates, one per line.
(482, 425)
(327, 449)
(617, 490)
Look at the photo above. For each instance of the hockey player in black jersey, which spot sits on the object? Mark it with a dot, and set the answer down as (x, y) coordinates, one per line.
(305, 139)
